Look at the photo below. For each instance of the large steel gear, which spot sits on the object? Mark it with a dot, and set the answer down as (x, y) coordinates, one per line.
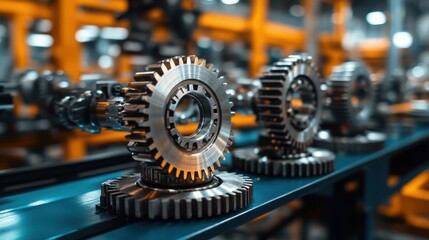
(289, 130)
(288, 77)
(352, 97)
(151, 101)
(128, 196)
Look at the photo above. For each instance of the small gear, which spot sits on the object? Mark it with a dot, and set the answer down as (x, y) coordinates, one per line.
(149, 108)
(280, 85)
(314, 162)
(366, 141)
(128, 196)
(352, 97)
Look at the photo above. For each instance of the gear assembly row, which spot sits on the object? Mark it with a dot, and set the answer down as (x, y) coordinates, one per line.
(178, 177)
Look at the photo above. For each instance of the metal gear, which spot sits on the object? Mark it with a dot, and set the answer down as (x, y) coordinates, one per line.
(366, 141)
(128, 196)
(150, 101)
(288, 77)
(314, 162)
(289, 130)
(352, 100)
(352, 97)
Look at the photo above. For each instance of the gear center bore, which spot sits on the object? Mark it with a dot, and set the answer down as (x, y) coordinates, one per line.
(301, 102)
(192, 116)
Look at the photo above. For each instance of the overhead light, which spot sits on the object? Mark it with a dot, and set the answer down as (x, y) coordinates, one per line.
(335, 18)
(402, 39)
(105, 61)
(44, 25)
(376, 18)
(418, 71)
(87, 33)
(114, 33)
(230, 2)
(40, 40)
(204, 42)
(297, 10)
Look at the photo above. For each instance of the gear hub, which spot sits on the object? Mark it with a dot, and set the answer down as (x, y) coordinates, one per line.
(289, 106)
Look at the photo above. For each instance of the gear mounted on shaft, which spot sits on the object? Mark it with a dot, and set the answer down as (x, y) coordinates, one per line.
(289, 106)
(177, 179)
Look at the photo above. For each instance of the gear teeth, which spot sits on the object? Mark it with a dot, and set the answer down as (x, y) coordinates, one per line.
(277, 84)
(124, 197)
(342, 82)
(136, 114)
(308, 165)
(218, 163)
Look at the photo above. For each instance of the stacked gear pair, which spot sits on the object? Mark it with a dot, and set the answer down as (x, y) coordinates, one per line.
(351, 104)
(289, 106)
(177, 179)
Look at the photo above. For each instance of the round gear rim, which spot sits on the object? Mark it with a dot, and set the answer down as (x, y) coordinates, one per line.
(315, 162)
(342, 81)
(127, 196)
(274, 103)
(146, 113)
(367, 141)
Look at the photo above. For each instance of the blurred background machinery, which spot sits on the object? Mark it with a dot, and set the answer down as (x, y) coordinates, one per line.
(60, 57)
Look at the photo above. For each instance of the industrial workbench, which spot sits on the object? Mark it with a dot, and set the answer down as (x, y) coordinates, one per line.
(67, 209)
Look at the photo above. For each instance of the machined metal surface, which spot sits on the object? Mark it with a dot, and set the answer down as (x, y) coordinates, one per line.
(314, 162)
(352, 97)
(129, 196)
(151, 102)
(290, 76)
(366, 141)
